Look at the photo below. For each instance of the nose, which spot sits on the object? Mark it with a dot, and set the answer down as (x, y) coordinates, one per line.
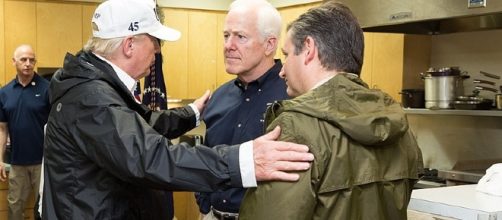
(229, 43)
(282, 74)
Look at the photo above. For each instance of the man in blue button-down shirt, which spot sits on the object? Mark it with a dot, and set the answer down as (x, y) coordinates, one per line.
(235, 112)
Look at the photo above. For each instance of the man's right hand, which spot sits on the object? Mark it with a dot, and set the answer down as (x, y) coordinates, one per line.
(273, 158)
(201, 102)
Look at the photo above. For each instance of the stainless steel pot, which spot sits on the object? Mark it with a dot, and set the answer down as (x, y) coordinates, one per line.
(442, 87)
(498, 101)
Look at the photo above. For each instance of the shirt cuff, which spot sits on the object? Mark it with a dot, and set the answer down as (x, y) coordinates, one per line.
(246, 163)
(197, 114)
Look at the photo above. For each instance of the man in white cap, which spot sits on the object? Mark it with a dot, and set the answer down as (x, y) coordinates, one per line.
(103, 149)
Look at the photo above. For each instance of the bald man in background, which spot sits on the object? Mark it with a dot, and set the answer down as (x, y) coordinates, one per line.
(24, 109)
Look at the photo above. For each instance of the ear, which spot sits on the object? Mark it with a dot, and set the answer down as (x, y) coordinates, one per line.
(271, 46)
(310, 49)
(13, 61)
(127, 46)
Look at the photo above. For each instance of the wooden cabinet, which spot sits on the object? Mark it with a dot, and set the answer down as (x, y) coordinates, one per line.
(59, 30)
(221, 74)
(202, 51)
(51, 28)
(2, 45)
(175, 66)
(194, 63)
(87, 13)
(185, 206)
(382, 67)
(393, 61)
(18, 30)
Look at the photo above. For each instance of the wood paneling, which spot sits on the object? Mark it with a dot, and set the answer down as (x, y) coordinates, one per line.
(387, 73)
(185, 206)
(87, 12)
(201, 52)
(417, 57)
(20, 28)
(221, 74)
(366, 71)
(2, 45)
(175, 54)
(59, 30)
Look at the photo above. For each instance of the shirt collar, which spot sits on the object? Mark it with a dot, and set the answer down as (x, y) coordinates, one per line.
(322, 82)
(33, 81)
(128, 81)
(275, 69)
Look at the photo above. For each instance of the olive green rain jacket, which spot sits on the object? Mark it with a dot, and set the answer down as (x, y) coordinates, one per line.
(366, 159)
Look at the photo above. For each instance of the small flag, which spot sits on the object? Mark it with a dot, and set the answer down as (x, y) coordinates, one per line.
(155, 89)
(137, 92)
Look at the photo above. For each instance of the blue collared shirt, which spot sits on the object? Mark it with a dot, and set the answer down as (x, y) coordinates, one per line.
(234, 115)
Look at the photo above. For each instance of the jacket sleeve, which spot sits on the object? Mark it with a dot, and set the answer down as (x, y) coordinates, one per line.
(121, 141)
(203, 201)
(173, 123)
(296, 200)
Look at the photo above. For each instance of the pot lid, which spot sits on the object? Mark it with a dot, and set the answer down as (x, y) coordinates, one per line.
(444, 71)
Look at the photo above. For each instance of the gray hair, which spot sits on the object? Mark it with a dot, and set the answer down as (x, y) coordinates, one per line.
(337, 34)
(268, 18)
(103, 47)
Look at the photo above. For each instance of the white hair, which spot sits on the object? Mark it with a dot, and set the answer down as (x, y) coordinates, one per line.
(103, 47)
(268, 18)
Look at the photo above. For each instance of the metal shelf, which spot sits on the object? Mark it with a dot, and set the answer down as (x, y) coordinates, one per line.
(423, 111)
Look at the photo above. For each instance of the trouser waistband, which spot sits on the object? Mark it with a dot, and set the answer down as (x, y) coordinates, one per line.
(224, 215)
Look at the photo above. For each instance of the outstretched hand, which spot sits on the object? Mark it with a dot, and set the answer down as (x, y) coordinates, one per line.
(201, 102)
(273, 158)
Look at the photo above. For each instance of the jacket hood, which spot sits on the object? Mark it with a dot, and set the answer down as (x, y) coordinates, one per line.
(79, 69)
(370, 117)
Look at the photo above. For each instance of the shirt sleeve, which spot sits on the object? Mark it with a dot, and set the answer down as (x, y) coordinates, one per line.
(246, 163)
(197, 114)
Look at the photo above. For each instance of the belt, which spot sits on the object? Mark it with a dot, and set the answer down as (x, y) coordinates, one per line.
(225, 215)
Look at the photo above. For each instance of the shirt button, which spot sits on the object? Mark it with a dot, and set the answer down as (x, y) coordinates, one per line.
(259, 90)
(247, 99)
(239, 125)
(224, 201)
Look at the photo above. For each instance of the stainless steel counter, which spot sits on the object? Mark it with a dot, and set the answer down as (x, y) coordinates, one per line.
(424, 111)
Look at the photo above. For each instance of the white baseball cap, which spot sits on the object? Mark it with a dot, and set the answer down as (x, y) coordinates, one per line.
(121, 18)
